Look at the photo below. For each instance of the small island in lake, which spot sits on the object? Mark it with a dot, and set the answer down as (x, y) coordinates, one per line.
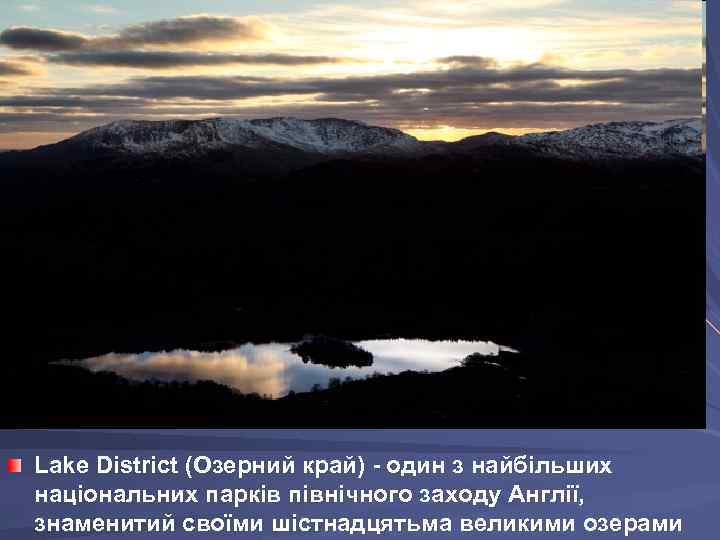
(332, 352)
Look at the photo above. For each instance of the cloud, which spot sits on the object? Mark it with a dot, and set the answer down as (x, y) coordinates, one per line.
(527, 83)
(180, 31)
(41, 40)
(101, 9)
(192, 29)
(14, 69)
(473, 61)
(172, 59)
(469, 94)
(72, 102)
(28, 7)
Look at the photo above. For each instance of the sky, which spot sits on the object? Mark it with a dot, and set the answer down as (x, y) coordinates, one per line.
(437, 70)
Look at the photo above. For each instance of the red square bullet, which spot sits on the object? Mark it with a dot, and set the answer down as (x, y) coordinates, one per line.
(14, 465)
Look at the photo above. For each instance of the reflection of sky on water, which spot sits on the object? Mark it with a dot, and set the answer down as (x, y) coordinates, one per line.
(272, 369)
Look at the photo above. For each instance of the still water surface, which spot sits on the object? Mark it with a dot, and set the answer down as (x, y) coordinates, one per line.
(272, 369)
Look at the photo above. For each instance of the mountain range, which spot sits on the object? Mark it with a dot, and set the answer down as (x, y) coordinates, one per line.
(283, 144)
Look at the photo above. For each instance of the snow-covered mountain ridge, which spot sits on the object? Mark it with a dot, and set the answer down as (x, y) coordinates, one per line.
(323, 136)
(333, 136)
(620, 139)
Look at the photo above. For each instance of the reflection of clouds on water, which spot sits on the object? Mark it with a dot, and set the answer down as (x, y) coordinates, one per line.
(259, 371)
(404, 354)
(272, 369)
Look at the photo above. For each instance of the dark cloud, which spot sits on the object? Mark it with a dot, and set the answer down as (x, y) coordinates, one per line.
(41, 40)
(180, 31)
(171, 59)
(533, 83)
(71, 102)
(14, 69)
(199, 87)
(194, 29)
(468, 96)
(474, 61)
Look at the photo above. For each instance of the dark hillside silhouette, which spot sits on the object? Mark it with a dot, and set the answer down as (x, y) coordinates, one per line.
(593, 270)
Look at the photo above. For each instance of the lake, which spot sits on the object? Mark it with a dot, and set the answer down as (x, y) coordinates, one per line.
(272, 369)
